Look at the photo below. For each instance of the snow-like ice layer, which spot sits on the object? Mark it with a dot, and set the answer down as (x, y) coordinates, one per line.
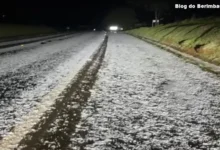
(146, 98)
(73, 54)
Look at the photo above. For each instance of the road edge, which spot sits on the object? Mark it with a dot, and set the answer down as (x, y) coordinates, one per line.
(188, 58)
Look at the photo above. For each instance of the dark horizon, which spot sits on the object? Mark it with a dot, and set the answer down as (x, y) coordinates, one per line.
(58, 13)
(91, 13)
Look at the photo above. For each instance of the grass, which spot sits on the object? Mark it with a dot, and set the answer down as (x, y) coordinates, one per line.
(12, 30)
(199, 37)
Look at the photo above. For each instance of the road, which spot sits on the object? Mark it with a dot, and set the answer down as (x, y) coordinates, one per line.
(108, 92)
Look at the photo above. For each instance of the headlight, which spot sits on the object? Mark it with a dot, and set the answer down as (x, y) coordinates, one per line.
(113, 28)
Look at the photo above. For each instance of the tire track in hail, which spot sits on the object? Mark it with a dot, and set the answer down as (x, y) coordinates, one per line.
(58, 124)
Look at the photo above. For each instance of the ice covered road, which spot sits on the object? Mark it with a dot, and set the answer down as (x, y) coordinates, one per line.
(94, 92)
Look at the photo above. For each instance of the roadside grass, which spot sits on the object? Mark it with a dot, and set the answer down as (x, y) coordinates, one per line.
(13, 30)
(199, 37)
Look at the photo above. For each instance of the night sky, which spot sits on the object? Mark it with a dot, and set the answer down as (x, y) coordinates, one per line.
(63, 12)
(87, 12)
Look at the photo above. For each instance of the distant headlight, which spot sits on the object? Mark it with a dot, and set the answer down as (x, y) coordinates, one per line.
(113, 28)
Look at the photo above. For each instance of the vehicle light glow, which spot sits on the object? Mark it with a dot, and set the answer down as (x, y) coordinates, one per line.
(113, 28)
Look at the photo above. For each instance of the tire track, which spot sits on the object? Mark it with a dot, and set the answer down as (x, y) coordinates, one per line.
(58, 124)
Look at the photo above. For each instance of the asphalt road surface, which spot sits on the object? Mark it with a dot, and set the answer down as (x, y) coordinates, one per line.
(92, 91)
